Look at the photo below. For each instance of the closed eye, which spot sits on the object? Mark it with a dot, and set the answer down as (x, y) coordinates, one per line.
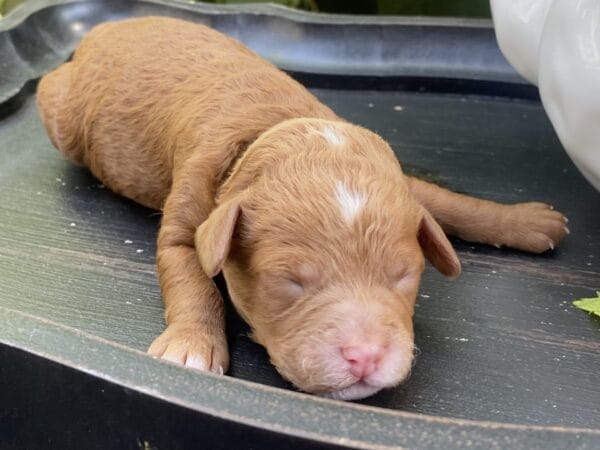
(404, 274)
(292, 287)
(404, 281)
(283, 286)
(397, 275)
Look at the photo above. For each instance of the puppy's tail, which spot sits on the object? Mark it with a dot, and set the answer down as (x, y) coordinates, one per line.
(58, 116)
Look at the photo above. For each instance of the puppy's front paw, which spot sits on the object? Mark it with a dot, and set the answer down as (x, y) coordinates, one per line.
(192, 347)
(533, 227)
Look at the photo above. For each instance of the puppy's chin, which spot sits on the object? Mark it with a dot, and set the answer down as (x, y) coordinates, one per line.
(365, 387)
(356, 391)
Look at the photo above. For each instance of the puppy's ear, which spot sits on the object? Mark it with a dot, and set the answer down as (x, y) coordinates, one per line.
(213, 236)
(436, 247)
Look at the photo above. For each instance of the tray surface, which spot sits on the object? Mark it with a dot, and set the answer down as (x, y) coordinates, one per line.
(501, 344)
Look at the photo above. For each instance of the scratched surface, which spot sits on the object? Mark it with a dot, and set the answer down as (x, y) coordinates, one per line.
(501, 343)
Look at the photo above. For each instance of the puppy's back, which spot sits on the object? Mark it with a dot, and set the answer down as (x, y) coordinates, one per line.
(140, 95)
(136, 58)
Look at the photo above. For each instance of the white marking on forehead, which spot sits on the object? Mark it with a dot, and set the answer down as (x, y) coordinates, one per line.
(350, 202)
(333, 136)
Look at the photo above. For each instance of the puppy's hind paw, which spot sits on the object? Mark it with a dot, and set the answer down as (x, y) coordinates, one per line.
(192, 347)
(533, 227)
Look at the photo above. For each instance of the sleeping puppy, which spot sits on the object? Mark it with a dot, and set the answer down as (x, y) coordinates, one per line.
(320, 237)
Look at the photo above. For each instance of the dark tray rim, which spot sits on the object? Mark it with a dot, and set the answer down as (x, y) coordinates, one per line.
(25, 9)
(242, 402)
(456, 64)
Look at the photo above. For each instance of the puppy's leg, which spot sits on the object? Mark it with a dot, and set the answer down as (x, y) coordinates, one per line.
(194, 312)
(59, 115)
(533, 227)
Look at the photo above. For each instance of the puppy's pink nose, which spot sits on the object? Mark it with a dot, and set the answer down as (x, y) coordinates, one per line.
(364, 359)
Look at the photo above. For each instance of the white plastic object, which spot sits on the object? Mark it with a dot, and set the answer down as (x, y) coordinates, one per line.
(555, 44)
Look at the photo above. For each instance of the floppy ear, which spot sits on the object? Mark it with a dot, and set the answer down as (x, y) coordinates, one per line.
(436, 247)
(213, 236)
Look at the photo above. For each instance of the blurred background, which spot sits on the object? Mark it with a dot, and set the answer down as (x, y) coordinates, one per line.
(457, 8)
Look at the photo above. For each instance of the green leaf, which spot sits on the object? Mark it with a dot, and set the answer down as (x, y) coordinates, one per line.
(591, 305)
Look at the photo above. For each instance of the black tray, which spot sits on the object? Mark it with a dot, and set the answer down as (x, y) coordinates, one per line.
(506, 361)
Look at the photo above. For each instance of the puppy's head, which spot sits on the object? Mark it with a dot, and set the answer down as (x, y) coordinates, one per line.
(322, 248)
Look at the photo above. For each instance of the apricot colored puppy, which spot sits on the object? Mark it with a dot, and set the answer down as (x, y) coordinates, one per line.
(320, 236)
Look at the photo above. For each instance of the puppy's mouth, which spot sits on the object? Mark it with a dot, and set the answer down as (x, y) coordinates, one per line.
(356, 391)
